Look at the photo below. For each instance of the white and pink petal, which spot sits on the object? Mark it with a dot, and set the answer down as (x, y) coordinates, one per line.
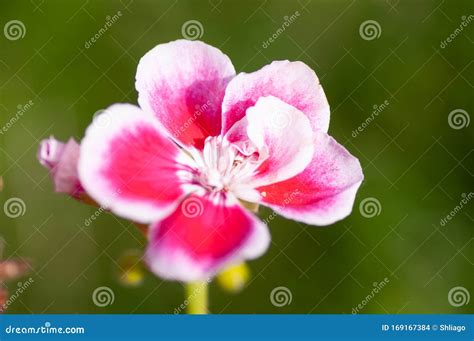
(202, 236)
(324, 192)
(283, 136)
(292, 82)
(183, 84)
(129, 166)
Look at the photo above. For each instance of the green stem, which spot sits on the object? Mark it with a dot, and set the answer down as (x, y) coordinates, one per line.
(197, 297)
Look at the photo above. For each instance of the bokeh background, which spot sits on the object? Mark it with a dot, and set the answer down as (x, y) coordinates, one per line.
(418, 164)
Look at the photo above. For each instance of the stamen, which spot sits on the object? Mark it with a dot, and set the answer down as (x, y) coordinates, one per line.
(222, 166)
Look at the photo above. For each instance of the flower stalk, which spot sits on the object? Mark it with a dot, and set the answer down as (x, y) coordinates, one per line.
(197, 297)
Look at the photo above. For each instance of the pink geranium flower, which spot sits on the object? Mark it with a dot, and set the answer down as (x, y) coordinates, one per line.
(205, 143)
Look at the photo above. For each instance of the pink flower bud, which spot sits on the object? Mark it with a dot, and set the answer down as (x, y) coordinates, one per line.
(61, 160)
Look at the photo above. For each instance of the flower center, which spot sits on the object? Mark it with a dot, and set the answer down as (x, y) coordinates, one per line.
(222, 166)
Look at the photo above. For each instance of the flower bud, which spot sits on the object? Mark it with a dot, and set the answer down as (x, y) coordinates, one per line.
(131, 272)
(234, 278)
(61, 160)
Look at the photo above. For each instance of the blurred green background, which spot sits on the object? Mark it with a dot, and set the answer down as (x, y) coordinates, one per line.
(415, 164)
